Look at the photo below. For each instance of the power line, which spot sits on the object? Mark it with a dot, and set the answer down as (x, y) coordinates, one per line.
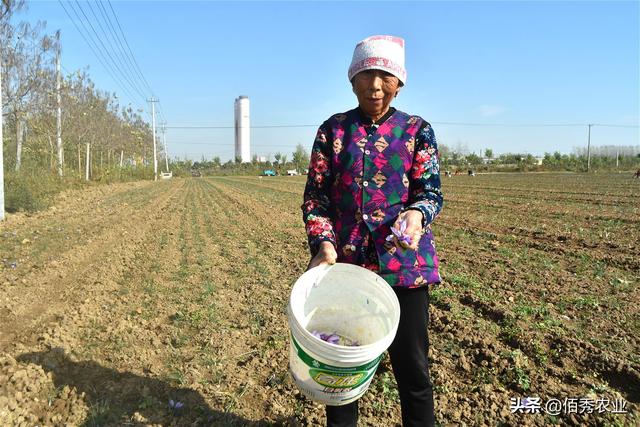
(128, 53)
(90, 44)
(122, 50)
(127, 75)
(137, 67)
(124, 69)
(106, 51)
(162, 113)
(615, 126)
(98, 52)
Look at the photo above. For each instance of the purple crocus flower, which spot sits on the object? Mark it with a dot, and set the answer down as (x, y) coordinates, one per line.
(330, 338)
(399, 233)
(334, 339)
(175, 405)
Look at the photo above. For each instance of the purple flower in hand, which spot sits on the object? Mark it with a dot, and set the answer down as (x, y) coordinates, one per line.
(399, 233)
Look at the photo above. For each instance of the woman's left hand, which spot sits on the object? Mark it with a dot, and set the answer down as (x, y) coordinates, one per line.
(414, 229)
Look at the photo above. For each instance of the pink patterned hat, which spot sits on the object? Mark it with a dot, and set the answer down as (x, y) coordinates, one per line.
(379, 53)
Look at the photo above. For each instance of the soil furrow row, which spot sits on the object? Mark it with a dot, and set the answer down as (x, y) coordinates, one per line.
(70, 274)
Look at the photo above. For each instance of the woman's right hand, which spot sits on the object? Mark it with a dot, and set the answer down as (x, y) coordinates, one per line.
(326, 255)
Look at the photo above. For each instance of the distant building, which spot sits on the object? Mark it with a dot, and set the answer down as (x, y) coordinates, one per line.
(242, 129)
(262, 159)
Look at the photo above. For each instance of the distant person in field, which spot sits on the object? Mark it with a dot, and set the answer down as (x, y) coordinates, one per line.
(637, 174)
(373, 168)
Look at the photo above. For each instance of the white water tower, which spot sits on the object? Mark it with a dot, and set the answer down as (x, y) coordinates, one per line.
(241, 108)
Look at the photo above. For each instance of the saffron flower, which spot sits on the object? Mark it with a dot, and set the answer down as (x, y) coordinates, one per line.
(175, 405)
(334, 339)
(398, 233)
(330, 338)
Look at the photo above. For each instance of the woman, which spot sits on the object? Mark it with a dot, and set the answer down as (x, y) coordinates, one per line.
(372, 169)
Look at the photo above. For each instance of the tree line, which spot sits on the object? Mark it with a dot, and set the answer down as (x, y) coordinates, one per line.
(98, 135)
(623, 158)
(610, 157)
(281, 164)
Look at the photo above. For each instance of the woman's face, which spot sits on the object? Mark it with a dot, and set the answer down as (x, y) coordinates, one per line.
(375, 90)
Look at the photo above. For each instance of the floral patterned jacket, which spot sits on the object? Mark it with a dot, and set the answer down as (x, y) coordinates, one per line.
(361, 176)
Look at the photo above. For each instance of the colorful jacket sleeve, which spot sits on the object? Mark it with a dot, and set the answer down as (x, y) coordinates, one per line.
(316, 209)
(424, 180)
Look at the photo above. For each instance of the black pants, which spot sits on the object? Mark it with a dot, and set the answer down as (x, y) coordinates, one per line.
(408, 354)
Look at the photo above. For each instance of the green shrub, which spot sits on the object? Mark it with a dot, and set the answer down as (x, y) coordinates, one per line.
(32, 190)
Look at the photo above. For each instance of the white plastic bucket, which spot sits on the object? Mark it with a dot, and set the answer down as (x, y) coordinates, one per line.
(354, 303)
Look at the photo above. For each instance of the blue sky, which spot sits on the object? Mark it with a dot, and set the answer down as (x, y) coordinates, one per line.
(479, 63)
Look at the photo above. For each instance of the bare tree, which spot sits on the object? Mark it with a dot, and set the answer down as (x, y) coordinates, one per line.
(24, 60)
(89, 116)
(8, 8)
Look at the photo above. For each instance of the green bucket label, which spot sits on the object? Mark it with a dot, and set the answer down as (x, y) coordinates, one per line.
(336, 377)
(334, 380)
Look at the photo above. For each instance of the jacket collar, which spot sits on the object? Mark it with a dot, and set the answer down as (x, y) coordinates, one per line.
(365, 120)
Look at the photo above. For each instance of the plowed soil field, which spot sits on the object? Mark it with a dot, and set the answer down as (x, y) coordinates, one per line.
(164, 304)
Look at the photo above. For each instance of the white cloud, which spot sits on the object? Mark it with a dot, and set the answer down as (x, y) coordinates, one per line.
(491, 110)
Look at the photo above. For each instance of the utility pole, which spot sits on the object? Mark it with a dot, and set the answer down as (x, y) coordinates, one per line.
(1, 147)
(164, 141)
(88, 162)
(617, 157)
(153, 121)
(19, 136)
(589, 150)
(59, 119)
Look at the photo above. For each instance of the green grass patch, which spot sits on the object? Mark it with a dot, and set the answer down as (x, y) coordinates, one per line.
(517, 375)
(585, 302)
(525, 310)
(510, 331)
(98, 415)
(385, 385)
(176, 377)
(441, 294)
(464, 281)
(484, 375)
